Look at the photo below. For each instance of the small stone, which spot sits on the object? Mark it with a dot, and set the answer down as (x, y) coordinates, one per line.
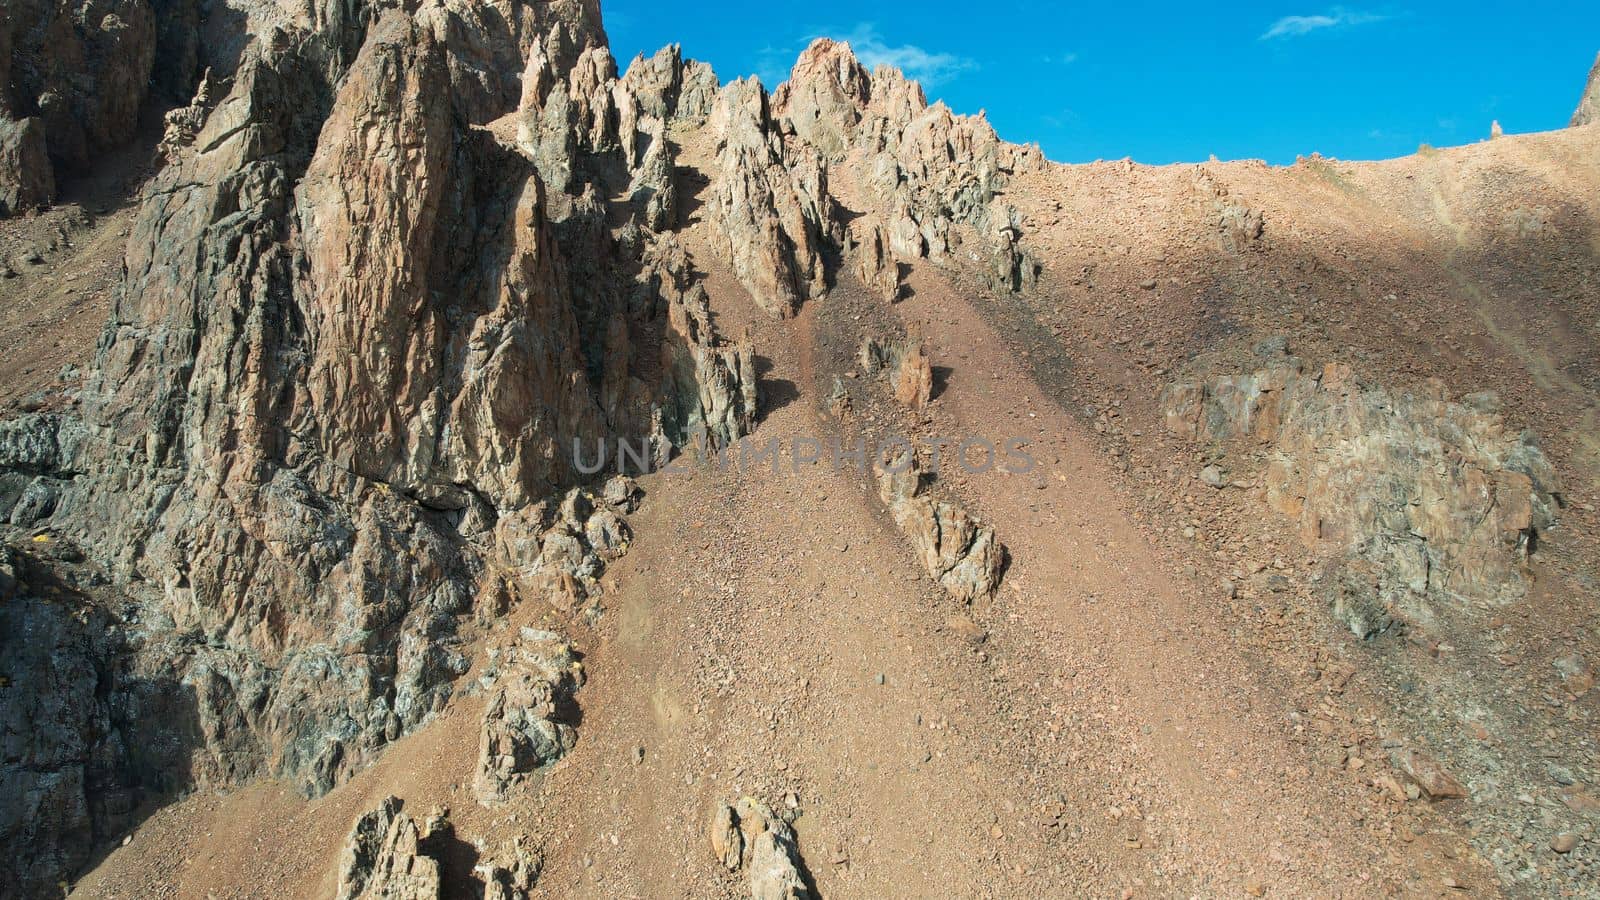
(880, 679)
(1255, 889)
(1565, 842)
(1213, 476)
(1429, 775)
(1148, 284)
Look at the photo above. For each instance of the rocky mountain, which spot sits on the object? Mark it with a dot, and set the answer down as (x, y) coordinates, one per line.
(341, 500)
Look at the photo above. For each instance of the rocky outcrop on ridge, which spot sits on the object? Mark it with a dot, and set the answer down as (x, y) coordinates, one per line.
(962, 555)
(1434, 503)
(932, 181)
(751, 838)
(1589, 107)
(770, 204)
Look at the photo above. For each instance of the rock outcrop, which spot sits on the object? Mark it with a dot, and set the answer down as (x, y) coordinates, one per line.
(384, 857)
(930, 172)
(770, 203)
(905, 364)
(1589, 107)
(389, 856)
(399, 263)
(751, 838)
(931, 179)
(73, 79)
(358, 338)
(531, 685)
(1436, 503)
(959, 553)
(90, 732)
(26, 179)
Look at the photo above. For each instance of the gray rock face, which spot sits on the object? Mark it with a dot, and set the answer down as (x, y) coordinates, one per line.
(1435, 502)
(73, 77)
(1589, 107)
(27, 180)
(87, 734)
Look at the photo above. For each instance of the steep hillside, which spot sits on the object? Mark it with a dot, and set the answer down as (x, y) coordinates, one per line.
(1244, 543)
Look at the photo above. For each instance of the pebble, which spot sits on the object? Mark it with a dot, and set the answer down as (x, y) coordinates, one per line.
(1565, 842)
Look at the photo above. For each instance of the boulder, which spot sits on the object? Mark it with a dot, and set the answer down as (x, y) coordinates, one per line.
(384, 857)
(958, 552)
(523, 727)
(1428, 775)
(905, 363)
(750, 837)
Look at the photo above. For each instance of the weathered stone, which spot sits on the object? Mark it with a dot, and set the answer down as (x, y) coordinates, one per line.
(383, 859)
(769, 202)
(905, 363)
(513, 874)
(522, 730)
(875, 264)
(1427, 774)
(960, 554)
(763, 845)
(727, 844)
(1576, 674)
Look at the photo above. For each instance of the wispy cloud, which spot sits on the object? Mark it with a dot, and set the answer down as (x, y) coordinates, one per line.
(1059, 59)
(1338, 17)
(926, 66)
(774, 61)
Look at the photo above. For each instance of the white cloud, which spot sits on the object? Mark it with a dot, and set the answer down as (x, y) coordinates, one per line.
(1338, 17)
(922, 65)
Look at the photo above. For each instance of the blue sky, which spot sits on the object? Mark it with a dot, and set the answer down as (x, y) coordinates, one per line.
(1165, 82)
